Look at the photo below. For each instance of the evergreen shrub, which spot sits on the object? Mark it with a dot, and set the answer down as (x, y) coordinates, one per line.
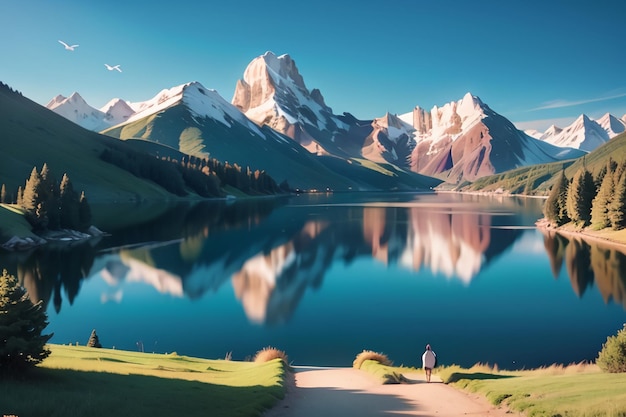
(612, 357)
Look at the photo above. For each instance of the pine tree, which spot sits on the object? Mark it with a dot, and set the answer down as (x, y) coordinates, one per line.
(69, 218)
(32, 190)
(33, 200)
(94, 341)
(50, 197)
(20, 196)
(617, 208)
(600, 206)
(21, 323)
(580, 195)
(84, 213)
(554, 208)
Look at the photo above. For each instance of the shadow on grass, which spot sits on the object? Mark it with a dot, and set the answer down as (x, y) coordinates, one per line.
(69, 393)
(457, 376)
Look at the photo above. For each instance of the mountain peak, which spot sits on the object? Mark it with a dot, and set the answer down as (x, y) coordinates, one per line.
(117, 111)
(76, 109)
(584, 134)
(612, 125)
(200, 101)
(56, 101)
(272, 92)
(76, 98)
(390, 120)
(281, 68)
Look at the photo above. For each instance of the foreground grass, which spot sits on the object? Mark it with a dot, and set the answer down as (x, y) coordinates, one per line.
(573, 391)
(387, 374)
(82, 381)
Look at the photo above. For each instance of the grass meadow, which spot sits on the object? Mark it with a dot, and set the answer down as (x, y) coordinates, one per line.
(81, 381)
(581, 390)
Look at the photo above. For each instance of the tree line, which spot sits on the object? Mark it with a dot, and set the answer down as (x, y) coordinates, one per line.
(585, 200)
(50, 205)
(205, 177)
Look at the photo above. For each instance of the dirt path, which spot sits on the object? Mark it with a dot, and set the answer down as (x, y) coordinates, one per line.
(334, 392)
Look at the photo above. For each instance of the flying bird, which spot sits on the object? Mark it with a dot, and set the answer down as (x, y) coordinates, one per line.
(68, 47)
(114, 67)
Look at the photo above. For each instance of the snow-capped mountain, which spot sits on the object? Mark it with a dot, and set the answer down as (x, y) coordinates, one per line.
(612, 125)
(584, 134)
(76, 109)
(116, 111)
(466, 139)
(272, 92)
(391, 140)
(201, 102)
(197, 121)
(550, 133)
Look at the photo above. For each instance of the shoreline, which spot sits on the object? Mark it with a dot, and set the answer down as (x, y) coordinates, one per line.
(544, 226)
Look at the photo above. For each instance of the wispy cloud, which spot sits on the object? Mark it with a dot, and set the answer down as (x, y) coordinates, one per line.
(557, 104)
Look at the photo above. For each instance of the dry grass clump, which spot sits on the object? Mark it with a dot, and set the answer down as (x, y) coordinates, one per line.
(453, 373)
(485, 367)
(270, 353)
(572, 368)
(368, 355)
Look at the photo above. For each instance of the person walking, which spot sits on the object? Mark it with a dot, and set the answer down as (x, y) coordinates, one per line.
(429, 361)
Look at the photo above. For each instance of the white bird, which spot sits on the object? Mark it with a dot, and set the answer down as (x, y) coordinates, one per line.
(114, 67)
(68, 47)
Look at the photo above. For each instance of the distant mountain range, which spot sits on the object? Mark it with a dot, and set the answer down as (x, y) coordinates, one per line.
(584, 133)
(33, 135)
(462, 140)
(538, 179)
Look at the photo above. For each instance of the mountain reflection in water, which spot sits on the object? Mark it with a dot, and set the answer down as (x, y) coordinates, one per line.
(350, 270)
(271, 258)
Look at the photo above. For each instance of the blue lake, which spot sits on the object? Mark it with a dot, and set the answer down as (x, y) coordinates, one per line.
(323, 277)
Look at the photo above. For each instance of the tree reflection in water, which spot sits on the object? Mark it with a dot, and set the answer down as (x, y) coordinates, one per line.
(589, 263)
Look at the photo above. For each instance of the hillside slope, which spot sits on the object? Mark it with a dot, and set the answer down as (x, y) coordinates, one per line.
(537, 179)
(31, 135)
(197, 121)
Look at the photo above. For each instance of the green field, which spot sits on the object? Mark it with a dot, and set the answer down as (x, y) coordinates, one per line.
(581, 390)
(572, 391)
(82, 381)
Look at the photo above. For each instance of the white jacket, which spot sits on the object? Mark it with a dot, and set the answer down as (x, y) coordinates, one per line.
(429, 358)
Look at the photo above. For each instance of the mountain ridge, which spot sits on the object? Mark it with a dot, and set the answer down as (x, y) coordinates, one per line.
(461, 140)
(199, 122)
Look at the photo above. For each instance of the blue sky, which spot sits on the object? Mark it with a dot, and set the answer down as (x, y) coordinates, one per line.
(528, 60)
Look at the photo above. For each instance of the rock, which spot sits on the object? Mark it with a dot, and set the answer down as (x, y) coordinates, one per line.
(22, 243)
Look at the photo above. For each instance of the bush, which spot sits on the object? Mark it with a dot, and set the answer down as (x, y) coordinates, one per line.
(368, 355)
(269, 353)
(21, 322)
(612, 357)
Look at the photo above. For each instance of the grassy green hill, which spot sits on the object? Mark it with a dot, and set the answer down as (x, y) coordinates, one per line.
(177, 128)
(537, 179)
(31, 135)
(83, 381)
(281, 157)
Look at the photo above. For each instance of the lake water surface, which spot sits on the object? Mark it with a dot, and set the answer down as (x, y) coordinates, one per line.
(323, 277)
